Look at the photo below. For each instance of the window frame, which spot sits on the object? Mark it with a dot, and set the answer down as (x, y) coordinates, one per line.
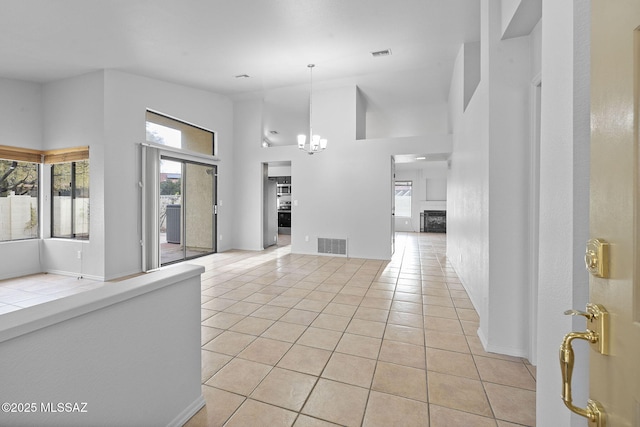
(396, 184)
(74, 235)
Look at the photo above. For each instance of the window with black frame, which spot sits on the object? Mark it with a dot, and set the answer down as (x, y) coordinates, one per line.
(70, 200)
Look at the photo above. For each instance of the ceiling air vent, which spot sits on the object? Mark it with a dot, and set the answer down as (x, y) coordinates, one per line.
(379, 53)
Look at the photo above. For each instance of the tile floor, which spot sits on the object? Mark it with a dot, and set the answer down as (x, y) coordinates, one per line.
(38, 288)
(319, 341)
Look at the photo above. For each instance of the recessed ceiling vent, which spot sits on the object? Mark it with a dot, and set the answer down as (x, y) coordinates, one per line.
(242, 76)
(379, 53)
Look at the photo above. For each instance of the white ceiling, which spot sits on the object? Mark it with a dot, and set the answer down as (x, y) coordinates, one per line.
(206, 43)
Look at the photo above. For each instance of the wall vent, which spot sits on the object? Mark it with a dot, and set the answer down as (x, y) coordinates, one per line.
(332, 246)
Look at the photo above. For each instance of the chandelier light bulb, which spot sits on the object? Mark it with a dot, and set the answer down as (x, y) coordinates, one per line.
(316, 143)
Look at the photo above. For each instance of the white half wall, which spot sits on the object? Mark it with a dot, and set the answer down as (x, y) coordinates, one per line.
(127, 353)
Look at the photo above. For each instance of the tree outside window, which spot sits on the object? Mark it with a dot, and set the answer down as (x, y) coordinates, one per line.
(70, 200)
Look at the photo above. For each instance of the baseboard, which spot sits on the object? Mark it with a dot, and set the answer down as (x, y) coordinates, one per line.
(75, 274)
(187, 413)
(507, 351)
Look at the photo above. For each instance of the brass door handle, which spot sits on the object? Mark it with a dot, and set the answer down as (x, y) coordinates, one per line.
(597, 335)
(594, 412)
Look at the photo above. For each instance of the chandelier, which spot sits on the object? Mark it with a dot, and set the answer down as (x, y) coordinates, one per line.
(316, 143)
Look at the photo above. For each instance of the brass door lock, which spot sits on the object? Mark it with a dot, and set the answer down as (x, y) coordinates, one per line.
(596, 258)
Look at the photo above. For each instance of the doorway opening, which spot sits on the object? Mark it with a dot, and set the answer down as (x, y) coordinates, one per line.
(277, 202)
(187, 209)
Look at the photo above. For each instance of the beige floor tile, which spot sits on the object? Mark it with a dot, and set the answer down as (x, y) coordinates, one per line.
(451, 326)
(211, 363)
(476, 349)
(337, 402)
(505, 372)
(205, 314)
(311, 305)
(442, 301)
(305, 359)
(446, 341)
(223, 320)
(320, 338)
(459, 393)
(373, 314)
(230, 343)
(379, 303)
(440, 311)
(434, 292)
(470, 327)
(407, 296)
(446, 417)
(220, 405)
(507, 424)
(242, 307)
(252, 325)
(284, 301)
(350, 369)
(366, 328)
(284, 331)
(340, 309)
(270, 312)
(402, 354)
(462, 302)
(300, 317)
(321, 296)
(406, 307)
(380, 293)
(404, 334)
(469, 314)
(331, 321)
(285, 388)
(219, 304)
(307, 421)
(348, 299)
(264, 350)
(400, 380)
(359, 345)
(257, 414)
(239, 376)
(207, 334)
(452, 363)
(384, 410)
(406, 319)
(512, 404)
(258, 298)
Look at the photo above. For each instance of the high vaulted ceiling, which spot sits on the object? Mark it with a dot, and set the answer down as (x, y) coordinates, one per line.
(206, 43)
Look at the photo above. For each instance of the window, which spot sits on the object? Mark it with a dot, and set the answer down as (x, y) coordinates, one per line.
(70, 200)
(174, 133)
(18, 199)
(403, 198)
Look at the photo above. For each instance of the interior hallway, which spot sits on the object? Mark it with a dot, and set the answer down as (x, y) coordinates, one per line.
(316, 341)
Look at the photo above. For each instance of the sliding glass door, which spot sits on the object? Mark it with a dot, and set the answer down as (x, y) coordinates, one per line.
(187, 209)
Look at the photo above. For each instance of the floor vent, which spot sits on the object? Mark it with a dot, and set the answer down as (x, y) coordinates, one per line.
(332, 246)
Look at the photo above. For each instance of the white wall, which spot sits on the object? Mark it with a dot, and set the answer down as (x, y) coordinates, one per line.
(73, 116)
(126, 99)
(343, 192)
(488, 186)
(564, 196)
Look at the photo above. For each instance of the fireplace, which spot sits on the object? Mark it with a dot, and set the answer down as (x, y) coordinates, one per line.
(433, 222)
